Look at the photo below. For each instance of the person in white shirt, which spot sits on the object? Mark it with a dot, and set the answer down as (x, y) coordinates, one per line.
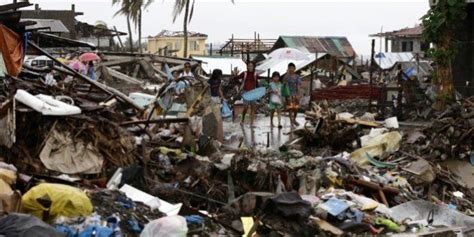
(187, 71)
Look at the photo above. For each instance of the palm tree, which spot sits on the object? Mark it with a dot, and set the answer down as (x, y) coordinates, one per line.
(179, 7)
(133, 10)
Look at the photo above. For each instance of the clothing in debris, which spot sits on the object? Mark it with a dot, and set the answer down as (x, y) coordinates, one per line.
(11, 51)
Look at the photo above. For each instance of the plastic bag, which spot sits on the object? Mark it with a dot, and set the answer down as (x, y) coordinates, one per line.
(275, 99)
(225, 110)
(169, 226)
(285, 90)
(65, 201)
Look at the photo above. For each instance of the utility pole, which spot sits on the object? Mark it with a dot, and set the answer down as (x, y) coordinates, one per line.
(371, 71)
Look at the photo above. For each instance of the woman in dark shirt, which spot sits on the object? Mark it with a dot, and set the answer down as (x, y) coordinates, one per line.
(250, 82)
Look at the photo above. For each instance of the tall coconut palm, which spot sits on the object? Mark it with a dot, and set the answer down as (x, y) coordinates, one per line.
(133, 10)
(188, 8)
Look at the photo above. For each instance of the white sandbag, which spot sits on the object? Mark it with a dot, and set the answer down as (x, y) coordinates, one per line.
(45, 104)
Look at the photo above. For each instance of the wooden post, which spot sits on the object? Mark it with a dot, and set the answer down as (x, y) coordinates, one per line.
(248, 52)
(118, 36)
(258, 42)
(269, 76)
(232, 46)
(210, 50)
(371, 71)
(401, 73)
(311, 86)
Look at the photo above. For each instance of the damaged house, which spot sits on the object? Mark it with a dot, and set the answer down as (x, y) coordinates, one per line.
(171, 43)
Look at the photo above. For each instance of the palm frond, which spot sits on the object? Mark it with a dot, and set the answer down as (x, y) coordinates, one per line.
(191, 13)
(179, 6)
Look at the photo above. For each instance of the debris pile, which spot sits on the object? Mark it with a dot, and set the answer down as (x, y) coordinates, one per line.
(80, 157)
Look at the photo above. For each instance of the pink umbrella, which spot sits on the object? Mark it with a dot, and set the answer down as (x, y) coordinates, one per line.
(87, 57)
(78, 66)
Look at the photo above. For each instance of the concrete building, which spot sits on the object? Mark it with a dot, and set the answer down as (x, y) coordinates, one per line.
(171, 43)
(407, 40)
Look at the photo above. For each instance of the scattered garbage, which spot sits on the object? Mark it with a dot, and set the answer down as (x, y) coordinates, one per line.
(79, 157)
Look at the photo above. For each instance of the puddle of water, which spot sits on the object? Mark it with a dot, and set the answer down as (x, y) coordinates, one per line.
(262, 136)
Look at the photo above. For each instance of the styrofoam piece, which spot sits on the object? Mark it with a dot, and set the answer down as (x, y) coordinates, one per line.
(153, 202)
(46, 105)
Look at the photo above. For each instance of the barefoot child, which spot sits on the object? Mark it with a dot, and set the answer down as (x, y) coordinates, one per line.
(294, 82)
(276, 101)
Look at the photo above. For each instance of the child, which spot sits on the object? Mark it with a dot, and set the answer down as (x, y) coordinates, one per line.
(179, 85)
(276, 102)
(250, 82)
(294, 82)
(215, 85)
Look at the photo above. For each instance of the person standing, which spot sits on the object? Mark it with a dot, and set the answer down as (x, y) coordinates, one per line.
(91, 70)
(215, 83)
(276, 100)
(249, 82)
(187, 71)
(293, 81)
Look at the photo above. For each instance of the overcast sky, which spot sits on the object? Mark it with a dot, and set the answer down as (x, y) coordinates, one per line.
(355, 19)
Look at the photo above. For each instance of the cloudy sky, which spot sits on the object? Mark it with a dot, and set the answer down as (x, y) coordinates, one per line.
(355, 19)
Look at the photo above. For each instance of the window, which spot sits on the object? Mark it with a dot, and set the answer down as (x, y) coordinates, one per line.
(425, 46)
(407, 46)
(177, 45)
(194, 45)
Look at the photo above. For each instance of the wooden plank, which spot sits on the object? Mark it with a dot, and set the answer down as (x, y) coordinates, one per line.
(196, 102)
(104, 88)
(159, 72)
(117, 62)
(135, 70)
(147, 68)
(157, 121)
(116, 74)
(360, 122)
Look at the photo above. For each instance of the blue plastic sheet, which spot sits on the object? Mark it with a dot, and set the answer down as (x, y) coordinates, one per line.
(194, 219)
(254, 94)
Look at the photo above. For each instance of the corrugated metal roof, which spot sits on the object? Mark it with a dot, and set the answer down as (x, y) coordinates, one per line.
(335, 46)
(388, 60)
(226, 64)
(55, 26)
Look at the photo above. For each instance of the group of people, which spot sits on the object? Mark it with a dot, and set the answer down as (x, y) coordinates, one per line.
(283, 92)
(83, 67)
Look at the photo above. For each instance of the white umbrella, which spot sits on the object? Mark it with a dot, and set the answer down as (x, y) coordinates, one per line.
(288, 54)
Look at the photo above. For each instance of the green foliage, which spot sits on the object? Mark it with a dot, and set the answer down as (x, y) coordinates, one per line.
(132, 8)
(443, 18)
(440, 24)
(180, 6)
(439, 27)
